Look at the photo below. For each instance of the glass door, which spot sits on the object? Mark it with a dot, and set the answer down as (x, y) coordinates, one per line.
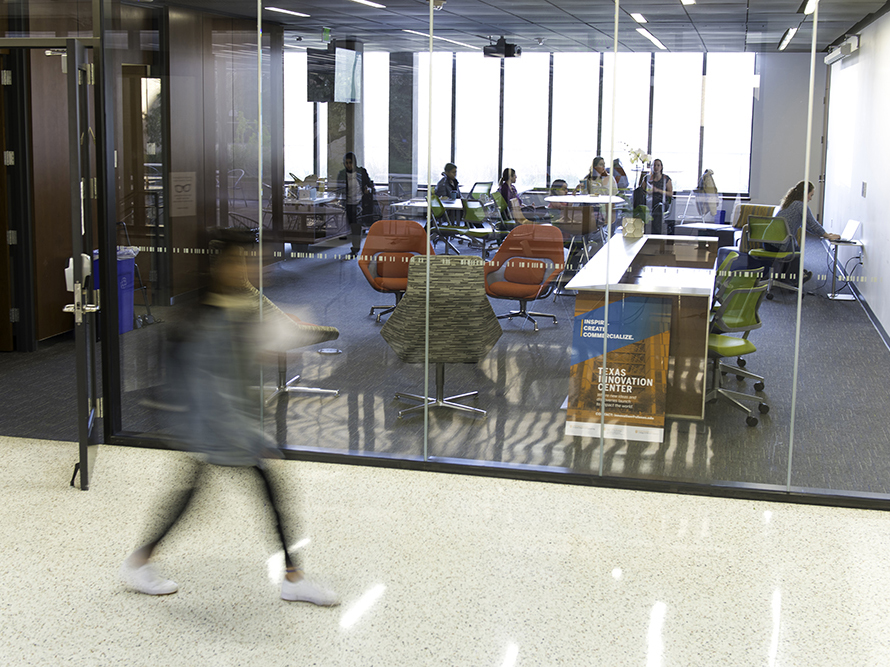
(82, 280)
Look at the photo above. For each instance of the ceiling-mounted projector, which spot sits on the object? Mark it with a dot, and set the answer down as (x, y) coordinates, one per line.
(501, 49)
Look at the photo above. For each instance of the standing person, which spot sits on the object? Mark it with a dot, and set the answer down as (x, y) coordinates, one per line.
(213, 360)
(506, 186)
(356, 189)
(448, 187)
(791, 210)
(659, 191)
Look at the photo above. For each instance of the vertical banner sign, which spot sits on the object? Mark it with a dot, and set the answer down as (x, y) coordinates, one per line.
(634, 379)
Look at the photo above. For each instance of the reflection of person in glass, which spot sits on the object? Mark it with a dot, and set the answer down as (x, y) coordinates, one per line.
(659, 191)
(356, 189)
(213, 361)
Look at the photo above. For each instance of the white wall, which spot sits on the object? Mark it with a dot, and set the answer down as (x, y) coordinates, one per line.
(780, 129)
(858, 150)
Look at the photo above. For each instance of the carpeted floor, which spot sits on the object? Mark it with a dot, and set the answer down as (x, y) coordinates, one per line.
(840, 440)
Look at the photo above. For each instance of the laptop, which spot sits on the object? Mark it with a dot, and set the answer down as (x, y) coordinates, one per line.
(849, 232)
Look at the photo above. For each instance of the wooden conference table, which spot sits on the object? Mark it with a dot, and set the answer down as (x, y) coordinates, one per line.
(679, 268)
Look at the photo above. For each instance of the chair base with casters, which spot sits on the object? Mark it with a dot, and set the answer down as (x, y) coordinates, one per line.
(286, 386)
(719, 347)
(439, 401)
(386, 310)
(526, 314)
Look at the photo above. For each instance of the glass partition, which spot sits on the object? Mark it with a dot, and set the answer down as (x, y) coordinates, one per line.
(599, 326)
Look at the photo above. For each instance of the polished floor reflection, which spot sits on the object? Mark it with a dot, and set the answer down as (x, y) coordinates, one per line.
(841, 443)
(433, 569)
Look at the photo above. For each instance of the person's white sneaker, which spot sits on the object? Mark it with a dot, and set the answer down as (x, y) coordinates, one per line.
(146, 579)
(308, 591)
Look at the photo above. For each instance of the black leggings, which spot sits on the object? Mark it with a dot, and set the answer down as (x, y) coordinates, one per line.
(177, 502)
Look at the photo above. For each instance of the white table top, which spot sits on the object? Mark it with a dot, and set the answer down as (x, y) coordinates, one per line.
(318, 201)
(610, 265)
(421, 203)
(584, 200)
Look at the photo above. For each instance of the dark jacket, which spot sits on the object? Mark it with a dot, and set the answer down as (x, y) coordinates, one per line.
(447, 188)
(364, 180)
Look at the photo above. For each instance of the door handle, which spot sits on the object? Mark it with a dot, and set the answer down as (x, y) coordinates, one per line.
(79, 307)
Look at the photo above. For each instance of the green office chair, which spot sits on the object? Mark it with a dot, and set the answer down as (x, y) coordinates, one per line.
(481, 191)
(443, 229)
(503, 210)
(737, 313)
(478, 229)
(775, 232)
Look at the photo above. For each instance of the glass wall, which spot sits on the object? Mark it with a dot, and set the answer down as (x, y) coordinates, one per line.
(586, 331)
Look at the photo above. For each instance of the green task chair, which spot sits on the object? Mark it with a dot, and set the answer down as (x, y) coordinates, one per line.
(773, 231)
(739, 312)
(443, 228)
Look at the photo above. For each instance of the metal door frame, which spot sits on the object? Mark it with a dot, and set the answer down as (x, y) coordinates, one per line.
(90, 405)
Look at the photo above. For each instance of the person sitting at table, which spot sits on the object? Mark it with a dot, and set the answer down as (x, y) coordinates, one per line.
(448, 187)
(597, 179)
(355, 188)
(506, 187)
(791, 211)
(558, 188)
(659, 191)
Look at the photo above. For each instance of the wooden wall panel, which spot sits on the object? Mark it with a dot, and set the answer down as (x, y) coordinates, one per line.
(52, 209)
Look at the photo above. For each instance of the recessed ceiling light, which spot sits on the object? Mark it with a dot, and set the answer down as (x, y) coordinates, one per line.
(370, 4)
(286, 11)
(444, 39)
(787, 37)
(688, 2)
(639, 18)
(652, 38)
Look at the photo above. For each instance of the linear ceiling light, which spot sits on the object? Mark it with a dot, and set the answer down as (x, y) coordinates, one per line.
(370, 4)
(652, 38)
(787, 37)
(688, 2)
(444, 39)
(639, 18)
(286, 11)
(808, 8)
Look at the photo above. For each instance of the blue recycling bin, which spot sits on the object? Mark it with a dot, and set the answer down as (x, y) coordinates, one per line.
(126, 264)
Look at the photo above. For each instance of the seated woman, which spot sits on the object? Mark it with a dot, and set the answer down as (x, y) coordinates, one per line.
(506, 186)
(792, 210)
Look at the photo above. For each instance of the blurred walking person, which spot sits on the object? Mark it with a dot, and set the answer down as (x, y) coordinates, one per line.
(212, 362)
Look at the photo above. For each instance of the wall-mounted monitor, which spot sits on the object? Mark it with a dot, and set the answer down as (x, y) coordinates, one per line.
(319, 75)
(347, 76)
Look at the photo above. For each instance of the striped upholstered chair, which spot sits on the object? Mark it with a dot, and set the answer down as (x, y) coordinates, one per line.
(462, 325)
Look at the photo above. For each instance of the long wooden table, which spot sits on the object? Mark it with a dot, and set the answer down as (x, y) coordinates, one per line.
(680, 268)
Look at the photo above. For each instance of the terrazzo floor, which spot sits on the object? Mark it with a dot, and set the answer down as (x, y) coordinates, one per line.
(433, 569)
